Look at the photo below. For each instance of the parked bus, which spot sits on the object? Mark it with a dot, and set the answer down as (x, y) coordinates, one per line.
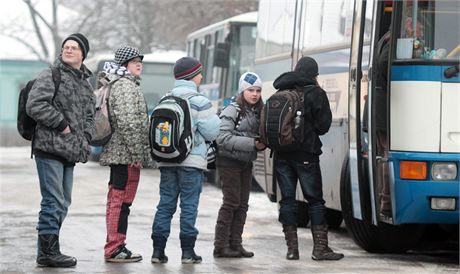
(226, 50)
(422, 114)
(157, 77)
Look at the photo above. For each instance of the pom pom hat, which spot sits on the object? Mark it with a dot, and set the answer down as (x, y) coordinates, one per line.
(247, 80)
(186, 68)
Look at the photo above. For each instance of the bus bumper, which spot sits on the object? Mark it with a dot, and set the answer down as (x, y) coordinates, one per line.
(413, 199)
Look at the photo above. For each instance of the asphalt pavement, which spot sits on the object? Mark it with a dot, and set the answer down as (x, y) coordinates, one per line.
(83, 232)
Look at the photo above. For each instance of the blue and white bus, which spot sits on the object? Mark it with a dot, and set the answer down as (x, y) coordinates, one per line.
(422, 111)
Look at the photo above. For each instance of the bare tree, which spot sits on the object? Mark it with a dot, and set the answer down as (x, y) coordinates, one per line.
(146, 24)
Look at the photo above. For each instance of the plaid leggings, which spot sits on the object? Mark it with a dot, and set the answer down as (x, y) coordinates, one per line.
(123, 183)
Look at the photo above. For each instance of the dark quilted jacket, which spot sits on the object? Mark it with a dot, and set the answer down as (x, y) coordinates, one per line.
(73, 105)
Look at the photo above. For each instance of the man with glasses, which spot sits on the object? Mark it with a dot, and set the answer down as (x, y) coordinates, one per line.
(64, 117)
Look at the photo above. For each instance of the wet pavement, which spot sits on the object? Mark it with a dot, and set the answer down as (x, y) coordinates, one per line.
(83, 232)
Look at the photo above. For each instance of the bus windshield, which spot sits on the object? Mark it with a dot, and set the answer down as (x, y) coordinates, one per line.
(430, 30)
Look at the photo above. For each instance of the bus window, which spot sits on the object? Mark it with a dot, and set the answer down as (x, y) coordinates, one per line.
(427, 30)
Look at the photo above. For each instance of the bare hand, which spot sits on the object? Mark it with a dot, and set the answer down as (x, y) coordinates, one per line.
(260, 145)
(66, 130)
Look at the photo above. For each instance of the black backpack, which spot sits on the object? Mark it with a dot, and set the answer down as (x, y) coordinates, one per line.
(282, 121)
(26, 125)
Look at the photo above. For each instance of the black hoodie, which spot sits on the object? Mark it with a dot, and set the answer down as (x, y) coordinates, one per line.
(318, 113)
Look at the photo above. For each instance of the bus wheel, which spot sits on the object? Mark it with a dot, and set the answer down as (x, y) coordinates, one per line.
(334, 218)
(384, 238)
(302, 214)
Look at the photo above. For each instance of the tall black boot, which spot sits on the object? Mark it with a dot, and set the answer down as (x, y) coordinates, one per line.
(290, 234)
(321, 250)
(49, 253)
(159, 245)
(188, 253)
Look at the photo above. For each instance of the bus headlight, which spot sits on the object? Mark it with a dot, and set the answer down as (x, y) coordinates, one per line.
(443, 171)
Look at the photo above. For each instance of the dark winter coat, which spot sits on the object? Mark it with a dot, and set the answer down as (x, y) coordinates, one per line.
(318, 115)
(73, 106)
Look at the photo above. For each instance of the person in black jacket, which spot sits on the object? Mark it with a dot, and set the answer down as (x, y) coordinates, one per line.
(303, 163)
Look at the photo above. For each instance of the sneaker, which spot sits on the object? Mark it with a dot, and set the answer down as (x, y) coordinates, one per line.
(123, 255)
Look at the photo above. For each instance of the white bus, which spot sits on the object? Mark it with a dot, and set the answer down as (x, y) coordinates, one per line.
(423, 109)
(226, 49)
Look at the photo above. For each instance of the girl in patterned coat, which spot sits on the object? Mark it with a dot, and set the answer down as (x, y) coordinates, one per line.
(127, 151)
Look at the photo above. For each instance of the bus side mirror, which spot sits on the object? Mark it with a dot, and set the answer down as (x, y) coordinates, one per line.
(221, 55)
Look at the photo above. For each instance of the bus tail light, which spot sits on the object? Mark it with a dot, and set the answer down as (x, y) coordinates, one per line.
(442, 203)
(413, 170)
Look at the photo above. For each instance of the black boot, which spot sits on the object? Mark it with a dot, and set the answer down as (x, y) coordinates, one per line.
(244, 253)
(159, 245)
(188, 252)
(290, 234)
(49, 253)
(321, 250)
(226, 252)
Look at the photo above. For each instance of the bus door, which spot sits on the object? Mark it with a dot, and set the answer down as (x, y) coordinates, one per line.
(377, 116)
(361, 188)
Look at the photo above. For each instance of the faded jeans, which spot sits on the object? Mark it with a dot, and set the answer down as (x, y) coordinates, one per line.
(309, 174)
(56, 182)
(184, 183)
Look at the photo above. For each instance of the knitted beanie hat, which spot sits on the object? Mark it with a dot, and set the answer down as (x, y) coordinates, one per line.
(82, 42)
(186, 68)
(125, 54)
(247, 80)
(307, 66)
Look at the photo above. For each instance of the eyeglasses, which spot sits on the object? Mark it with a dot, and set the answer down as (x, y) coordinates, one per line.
(71, 48)
(136, 61)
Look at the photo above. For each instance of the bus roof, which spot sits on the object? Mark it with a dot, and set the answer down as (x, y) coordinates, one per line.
(250, 17)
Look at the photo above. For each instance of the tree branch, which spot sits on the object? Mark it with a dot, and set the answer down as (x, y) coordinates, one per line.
(33, 13)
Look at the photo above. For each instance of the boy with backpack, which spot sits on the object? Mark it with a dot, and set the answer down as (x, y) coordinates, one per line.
(183, 178)
(64, 125)
(299, 160)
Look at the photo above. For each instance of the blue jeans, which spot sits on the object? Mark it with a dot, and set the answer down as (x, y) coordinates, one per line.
(56, 182)
(309, 174)
(175, 182)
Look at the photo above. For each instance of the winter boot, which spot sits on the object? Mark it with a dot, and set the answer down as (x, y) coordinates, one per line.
(49, 253)
(290, 234)
(188, 253)
(226, 252)
(321, 250)
(159, 245)
(243, 252)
